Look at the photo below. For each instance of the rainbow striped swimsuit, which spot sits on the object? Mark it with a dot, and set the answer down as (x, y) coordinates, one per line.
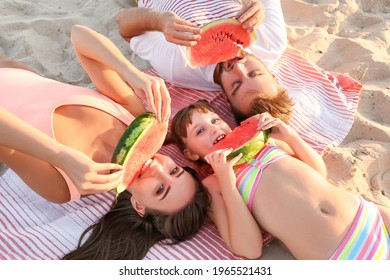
(248, 174)
(367, 238)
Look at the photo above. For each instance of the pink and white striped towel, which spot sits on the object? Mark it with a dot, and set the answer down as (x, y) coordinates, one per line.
(32, 228)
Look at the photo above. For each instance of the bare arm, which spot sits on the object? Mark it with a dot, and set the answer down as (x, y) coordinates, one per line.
(291, 142)
(234, 221)
(114, 76)
(135, 21)
(385, 213)
(87, 175)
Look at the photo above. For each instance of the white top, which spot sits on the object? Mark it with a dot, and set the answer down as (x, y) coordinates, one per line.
(169, 60)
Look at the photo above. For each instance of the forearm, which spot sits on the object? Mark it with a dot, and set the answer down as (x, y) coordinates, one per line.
(18, 135)
(135, 21)
(307, 154)
(244, 234)
(385, 213)
(93, 45)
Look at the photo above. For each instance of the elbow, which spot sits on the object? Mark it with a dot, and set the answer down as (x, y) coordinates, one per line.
(120, 20)
(252, 253)
(76, 32)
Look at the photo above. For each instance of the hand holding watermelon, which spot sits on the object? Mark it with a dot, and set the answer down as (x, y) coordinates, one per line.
(153, 92)
(251, 15)
(279, 130)
(176, 30)
(246, 139)
(221, 40)
(88, 176)
(223, 168)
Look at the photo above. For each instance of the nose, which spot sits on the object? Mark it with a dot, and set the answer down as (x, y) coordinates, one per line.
(239, 69)
(155, 169)
(159, 171)
(213, 128)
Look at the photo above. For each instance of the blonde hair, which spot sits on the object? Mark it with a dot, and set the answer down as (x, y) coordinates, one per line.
(279, 106)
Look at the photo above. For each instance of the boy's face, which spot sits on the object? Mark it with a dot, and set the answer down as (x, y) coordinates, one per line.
(205, 131)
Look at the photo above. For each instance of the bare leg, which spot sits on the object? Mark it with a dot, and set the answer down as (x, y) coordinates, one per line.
(38, 175)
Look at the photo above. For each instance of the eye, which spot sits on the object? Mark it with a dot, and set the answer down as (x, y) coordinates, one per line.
(160, 189)
(235, 86)
(254, 73)
(174, 170)
(199, 131)
(214, 121)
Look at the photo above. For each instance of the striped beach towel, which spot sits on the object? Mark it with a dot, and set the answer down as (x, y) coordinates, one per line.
(32, 228)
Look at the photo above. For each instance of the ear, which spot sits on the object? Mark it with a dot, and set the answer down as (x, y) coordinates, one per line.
(190, 155)
(137, 206)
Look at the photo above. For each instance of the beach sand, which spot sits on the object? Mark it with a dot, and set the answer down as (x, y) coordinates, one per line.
(346, 36)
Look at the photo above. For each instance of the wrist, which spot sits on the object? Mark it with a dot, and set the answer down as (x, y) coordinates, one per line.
(60, 154)
(158, 23)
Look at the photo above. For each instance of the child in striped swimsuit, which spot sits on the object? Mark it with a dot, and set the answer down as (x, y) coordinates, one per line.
(285, 193)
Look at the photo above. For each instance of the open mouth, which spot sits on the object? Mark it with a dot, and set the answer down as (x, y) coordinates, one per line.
(219, 138)
(230, 63)
(145, 166)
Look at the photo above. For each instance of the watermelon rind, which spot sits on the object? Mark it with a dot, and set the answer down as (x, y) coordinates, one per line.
(131, 138)
(251, 148)
(225, 46)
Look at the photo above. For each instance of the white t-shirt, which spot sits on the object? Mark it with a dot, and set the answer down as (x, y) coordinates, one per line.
(169, 60)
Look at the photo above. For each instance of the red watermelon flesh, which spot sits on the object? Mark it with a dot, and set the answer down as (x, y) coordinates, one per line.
(221, 40)
(140, 142)
(245, 139)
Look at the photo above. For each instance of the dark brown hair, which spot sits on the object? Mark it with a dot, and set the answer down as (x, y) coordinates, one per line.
(123, 234)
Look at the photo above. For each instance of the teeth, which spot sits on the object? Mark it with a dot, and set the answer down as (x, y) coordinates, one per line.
(145, 166)
(219, 138)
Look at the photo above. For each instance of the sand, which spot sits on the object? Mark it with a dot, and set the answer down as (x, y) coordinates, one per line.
(346, 36)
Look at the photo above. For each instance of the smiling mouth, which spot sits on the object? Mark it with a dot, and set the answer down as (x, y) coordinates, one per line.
(145, 167)
(230, 63)
(219, 138)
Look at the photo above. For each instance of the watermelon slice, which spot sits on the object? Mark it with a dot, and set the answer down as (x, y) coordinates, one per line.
(245, 139)
(140, 141)
(221, 40)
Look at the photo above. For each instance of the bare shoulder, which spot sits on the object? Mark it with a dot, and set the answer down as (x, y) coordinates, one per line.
(211, 183)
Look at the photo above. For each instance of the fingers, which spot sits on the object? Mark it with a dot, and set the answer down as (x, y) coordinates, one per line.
(266, 121)
(184, 43)
(108, 178)
(99, 183)
(107, 167)
(187, 27)
(166, 104)
(185, 33)
(251, 15)
(157, 100)
(218, 156)
(234, 160)
(150, 99)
